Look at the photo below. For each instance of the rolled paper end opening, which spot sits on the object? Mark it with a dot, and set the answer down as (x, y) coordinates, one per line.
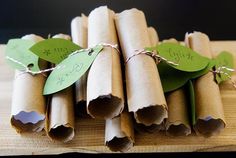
(151, 115)
(105, 107)
(29, 117)
(28, 121)
(178, 130)
(61, 133)
(141, 128)
(210, 127)
(120, 144)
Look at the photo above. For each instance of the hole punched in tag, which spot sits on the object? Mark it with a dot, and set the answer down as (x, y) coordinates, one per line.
(90, 52)
(29, 66)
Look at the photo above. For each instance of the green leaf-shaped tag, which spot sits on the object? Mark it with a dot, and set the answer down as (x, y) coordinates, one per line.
(18, 50)
(171, 78)
(70, 70)
(187, 59)
(54, 50)
(192, 101)
(224, 59)
(207, 69)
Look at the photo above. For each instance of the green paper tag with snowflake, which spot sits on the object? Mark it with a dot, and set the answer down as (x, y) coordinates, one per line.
(19, 56)
(54, 49)
(184, 58)
(224, 64)
(70, 70)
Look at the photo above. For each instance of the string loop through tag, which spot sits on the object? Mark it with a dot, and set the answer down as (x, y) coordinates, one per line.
(90, 49)
(220, 69)
(27, 68)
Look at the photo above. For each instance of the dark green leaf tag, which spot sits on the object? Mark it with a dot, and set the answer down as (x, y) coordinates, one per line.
(185, 58)
(192, 101)
(173, 79)
(224, 64)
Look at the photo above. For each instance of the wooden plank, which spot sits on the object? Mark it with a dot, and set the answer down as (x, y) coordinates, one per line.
(90, 133)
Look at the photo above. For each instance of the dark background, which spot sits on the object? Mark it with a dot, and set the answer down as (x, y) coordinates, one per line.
(171, 18)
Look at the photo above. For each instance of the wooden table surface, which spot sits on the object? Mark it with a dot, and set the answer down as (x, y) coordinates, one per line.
(90, 133)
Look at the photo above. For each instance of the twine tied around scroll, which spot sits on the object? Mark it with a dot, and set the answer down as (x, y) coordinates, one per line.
(90, 49)
(158, 59)
(28, 67)
(152, 54)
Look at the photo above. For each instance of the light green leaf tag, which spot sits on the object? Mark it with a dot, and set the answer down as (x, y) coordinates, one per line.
(70, 70)
(185, 58)
(54, 50)
(192, 101)
(224, 62)
(18, 50)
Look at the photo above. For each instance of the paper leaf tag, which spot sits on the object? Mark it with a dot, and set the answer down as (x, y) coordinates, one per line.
(187, 59)
(204, 71)
(18, 49)
(192, 101)
(70, 70)
(224, 59)
(173, 79)
(54, 50)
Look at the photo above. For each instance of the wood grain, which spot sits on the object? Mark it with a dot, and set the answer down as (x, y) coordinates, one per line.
(90, 133)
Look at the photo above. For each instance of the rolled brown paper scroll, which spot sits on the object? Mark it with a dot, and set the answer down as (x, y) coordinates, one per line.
(153, 36)
(144, 90)
(79, 32)
(171, 40)
(210, 118)
(177, 123)
(28, 103)
(119, 132)
(105, 98)
(60, 115)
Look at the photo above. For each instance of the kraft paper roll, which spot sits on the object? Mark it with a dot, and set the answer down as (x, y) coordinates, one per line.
(79, 32)
(105, 98)
(119, 132)
(144, 90)
(60, 115)
(210, 118)
(153, 36)
(177, 123)
(178, 120)
(28, 103)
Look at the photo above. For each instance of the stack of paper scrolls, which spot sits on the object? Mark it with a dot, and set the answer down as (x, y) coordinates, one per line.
(115, 69)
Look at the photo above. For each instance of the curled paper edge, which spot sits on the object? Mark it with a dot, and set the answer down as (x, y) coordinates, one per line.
(119, 134)
(182, 129)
